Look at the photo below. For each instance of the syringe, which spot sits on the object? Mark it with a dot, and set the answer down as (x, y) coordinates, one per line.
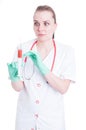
(20, 62)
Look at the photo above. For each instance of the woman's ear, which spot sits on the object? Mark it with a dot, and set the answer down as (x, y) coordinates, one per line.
(56, 25)
(54, 29)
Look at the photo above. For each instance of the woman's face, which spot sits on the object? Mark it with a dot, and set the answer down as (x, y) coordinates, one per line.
(44, 25)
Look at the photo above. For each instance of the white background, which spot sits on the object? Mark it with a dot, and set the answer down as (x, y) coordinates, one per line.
(16, 25)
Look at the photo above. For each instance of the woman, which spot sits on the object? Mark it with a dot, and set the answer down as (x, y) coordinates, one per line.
(52, 68)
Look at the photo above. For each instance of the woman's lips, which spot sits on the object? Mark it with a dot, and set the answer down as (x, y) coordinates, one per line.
(41, 34)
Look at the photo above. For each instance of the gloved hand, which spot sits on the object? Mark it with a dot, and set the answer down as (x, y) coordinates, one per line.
(13, 71)
(37, 61)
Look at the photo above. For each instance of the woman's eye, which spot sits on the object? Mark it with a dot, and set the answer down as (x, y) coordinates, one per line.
(36, 24)
(46, 23)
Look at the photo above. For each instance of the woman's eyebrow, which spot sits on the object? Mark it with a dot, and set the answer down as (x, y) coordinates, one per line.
(35, 20)
(43, 21)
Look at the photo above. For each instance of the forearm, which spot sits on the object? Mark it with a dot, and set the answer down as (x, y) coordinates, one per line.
(58, 84)
(18, 85)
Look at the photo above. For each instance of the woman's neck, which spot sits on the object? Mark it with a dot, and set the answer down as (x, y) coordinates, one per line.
(44, 47)
(45, 44)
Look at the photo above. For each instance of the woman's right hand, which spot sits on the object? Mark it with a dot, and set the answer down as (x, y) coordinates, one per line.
(13, 71)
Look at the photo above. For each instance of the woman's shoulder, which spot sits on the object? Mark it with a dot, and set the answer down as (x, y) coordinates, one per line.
(25, 46)
(28, 43)
(64, 47)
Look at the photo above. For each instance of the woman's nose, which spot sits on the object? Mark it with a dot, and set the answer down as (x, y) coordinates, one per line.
(41, 27)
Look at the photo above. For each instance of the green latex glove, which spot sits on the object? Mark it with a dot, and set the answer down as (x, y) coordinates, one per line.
(13, 71)
(37, 61)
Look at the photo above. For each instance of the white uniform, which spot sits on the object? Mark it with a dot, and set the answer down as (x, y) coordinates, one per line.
(40, 107)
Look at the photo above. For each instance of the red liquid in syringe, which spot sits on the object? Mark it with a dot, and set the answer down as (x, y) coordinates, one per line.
(19, 53)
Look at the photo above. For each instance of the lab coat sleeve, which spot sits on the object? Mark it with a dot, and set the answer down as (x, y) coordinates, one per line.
(69, 67)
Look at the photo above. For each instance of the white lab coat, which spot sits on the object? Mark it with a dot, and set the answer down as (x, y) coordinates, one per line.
(40, 107)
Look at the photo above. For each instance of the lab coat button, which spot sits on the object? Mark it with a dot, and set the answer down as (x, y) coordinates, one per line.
(36, 115)
(32, 129)
(37, 101)
(38, 85)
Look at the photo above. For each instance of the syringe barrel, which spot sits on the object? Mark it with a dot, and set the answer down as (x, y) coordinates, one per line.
(20, 62)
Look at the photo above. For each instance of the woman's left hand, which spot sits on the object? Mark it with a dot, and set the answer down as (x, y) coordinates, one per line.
(37, 61)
